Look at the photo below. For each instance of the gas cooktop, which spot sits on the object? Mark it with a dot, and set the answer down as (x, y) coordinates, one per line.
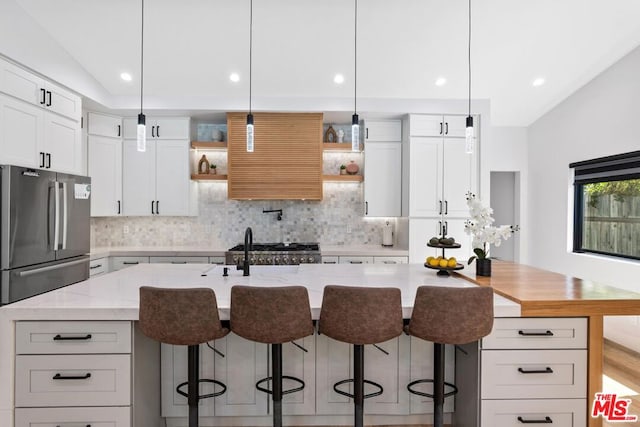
(279, 247)
(276, 254)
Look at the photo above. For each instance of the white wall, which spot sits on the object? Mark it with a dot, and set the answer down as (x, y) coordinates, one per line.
(598, 120)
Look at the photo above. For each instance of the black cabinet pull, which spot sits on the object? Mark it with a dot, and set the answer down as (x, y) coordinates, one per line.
(440, 211)
(152, 202)
(49, 100)
(41, 159)
(48, 160)
(158, 131)
(446, 127)
(546, 370)
(72, 377)
(88, 425)
(93, 267)
(355, 262)
(329, 262)
(157, 207)
(445, 230)
(440, 128)
(535, 334)
(367, 132)
(44, 96)
(153, 135)
(119, 130)
(366, 208)
(440, 228)
(547, 420)
(119, 205)
(61, 338)
(131, 263)
(446, 207)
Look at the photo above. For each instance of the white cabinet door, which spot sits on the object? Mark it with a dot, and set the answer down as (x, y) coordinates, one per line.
(105, 170)
(422, 368)
(171, 128)
(420, 231)
(383, 131)
(426, 125)
(459, 177)
(62, 144)
(172, 177)
(120, 262)
(21, 84)
(455, 126)
(425, 177)
(244, 363)
(20, 133)
(383, 179)
(63, 102)
(138, 179)
(299, 364)
(356, 260)
(103, 125)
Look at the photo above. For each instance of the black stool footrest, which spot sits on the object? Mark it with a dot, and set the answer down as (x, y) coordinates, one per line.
(366, 396)
(284, 377)
(422, 393)
(203, 396)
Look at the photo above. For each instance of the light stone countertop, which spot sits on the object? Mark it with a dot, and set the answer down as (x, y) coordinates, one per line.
(114, 296)
(326, 250)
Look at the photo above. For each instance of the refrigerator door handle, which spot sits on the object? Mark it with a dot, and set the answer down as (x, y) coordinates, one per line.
(65, 215)
(50, 268)
(56, 221)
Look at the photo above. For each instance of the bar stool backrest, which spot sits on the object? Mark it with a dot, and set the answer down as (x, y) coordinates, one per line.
(449, 315)
(271, 315)
(360, 315)
(187, 316)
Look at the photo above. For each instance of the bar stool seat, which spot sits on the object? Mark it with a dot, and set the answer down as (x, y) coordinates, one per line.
(448, 315)
(360, 315)
(188, 317)
(272, 315)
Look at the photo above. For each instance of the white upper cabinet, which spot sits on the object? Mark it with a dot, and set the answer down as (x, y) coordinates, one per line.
(62, 144)
(437, 125)
(21, 128)
(383, 168)
(104, 125)
(35, 90)
(159, 127)
(383, 131)
(425, 172)
(105, 170)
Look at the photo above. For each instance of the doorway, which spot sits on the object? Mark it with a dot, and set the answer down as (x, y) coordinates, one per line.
(505, 201)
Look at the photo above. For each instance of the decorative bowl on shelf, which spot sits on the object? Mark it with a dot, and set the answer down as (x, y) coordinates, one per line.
(352, 168)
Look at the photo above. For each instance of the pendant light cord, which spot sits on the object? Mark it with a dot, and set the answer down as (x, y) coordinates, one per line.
(142, 56)
(355, 57)
(250, 49)
(469, 58)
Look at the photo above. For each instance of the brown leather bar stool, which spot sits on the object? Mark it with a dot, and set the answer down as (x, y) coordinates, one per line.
(447, 315)
(360, 315)
(272, 315)
(183, 317)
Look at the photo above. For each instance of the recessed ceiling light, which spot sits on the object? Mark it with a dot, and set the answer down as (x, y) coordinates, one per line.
(538, 82)
(441, 81)
(234, 77)
(338, 79)
(126, 77)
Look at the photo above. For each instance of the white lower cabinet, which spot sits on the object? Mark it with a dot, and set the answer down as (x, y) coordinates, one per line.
(534, 371)
(63, 417)
(355, 260)
(120, 262)
(515, 413)
(422, 368)
(179, 259)
(98, 266)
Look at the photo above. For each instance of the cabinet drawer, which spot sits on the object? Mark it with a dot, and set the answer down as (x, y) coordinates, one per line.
(517, 374)
(515, 413)
(120, 262)
(119, 416)
(534, 333)
(77, 380)
(330, 260)
(356, 260)
(98, 266)
(73, 337)
(179, 259)
(390, 260)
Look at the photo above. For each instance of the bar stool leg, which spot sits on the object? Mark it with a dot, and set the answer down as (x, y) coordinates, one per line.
(358, 384)
(276, 378)
(193, 356)
(438, 385)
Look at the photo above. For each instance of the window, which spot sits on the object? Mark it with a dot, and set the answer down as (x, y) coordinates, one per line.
(607, 205)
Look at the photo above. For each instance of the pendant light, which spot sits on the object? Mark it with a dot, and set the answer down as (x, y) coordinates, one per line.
(468, 133)
(355, 121)
(250, 116)
(142, 128)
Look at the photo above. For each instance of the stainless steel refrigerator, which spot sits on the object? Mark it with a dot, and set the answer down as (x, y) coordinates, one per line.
(44, 231)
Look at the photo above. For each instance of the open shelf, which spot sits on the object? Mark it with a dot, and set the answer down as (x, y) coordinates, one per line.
(208, 177)
(337, 146)
(209, 145)
(342, 178)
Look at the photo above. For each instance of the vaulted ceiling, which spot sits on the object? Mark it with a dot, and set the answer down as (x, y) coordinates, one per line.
(192, 46)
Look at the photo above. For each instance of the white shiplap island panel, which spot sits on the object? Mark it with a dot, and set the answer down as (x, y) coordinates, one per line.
(115, 296)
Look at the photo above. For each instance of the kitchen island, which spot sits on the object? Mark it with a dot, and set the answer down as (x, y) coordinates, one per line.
(520, 292)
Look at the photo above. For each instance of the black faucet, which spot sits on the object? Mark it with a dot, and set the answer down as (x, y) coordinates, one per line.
(248, 246)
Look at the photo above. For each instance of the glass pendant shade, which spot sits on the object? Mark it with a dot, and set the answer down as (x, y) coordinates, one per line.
(249, 133)
(142, 133)
(355, 133)
(469, 137)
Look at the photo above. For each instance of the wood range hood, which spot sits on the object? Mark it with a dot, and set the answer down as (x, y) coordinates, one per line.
(287, 160)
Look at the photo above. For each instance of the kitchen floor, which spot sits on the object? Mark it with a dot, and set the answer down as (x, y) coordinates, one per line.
(622, 376)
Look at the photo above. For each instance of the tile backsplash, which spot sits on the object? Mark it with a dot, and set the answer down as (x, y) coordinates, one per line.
(336, 220)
